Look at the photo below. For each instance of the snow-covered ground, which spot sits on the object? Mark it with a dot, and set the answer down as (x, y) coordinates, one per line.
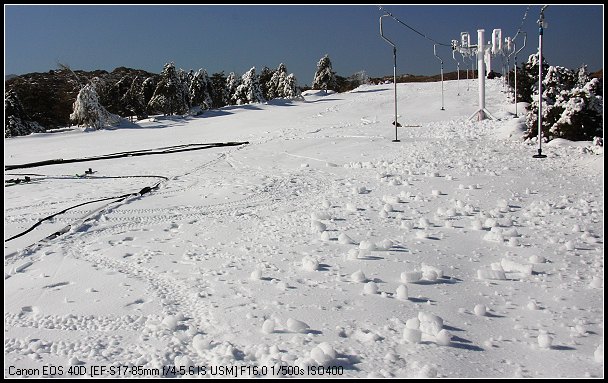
(452, 253)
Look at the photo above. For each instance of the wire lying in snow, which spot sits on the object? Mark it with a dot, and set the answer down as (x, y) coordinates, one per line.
(143, 191)
(40, 177)
(134, 153)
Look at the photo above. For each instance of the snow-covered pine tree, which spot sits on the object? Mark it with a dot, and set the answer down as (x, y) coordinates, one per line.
(218, 90)
(324, 78)
(114, 99)
(200, 90)
(276, 84)
(133, 100)
(527, 78)
(359, 78)
(582, 76)
(290, 90)
(570, 111)
(556, 80)
(88, 112)
(147, 90)
(16, 121)
(232, 84)
(582, 117)
(265, 77)
(249, 91)
(185, 79)
(169, 97)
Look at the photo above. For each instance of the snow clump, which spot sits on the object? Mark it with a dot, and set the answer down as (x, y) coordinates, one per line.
(430, 323)
(309, 263)
(367, 245)
(544, 340)
(324, 354)
(412, 335)
(480, 310)
(358, 277)
(411, 276)
(443, 338)
(317, 226)
(370, 288)
(402, 292)
(268, 326)
(295, 325)
(256, 275)
(344, 239)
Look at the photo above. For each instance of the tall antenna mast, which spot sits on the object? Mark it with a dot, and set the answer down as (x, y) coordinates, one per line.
(515, 68)
(394, 74)
(435, 53)
(454, 47)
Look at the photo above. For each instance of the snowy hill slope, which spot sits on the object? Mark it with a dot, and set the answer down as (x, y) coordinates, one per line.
(452, 253)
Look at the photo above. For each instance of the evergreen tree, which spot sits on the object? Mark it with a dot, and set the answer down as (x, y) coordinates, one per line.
(185, 79)
(582, 118)
(16, 121)
(232, 84)
(527, 78)
(169, 97)
(582, 76)
(290, 90)
(556, 80)
(276, 85)
(200, 90)
(114, 99)
(569, 111)
(133, 100)
(265, 77)
(324, 78)
(218, 90)
(248, 91)
(89, 112)
(147, 90)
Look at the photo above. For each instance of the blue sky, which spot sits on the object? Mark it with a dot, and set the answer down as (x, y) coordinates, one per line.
(235, 38)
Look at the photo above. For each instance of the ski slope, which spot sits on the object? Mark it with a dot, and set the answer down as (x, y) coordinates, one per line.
(452, 253)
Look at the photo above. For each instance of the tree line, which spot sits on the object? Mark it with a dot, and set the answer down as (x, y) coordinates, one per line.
(101, 100)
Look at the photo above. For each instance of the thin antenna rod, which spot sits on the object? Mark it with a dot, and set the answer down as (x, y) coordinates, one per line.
(394, 74)
(457, 72)
(435, 53)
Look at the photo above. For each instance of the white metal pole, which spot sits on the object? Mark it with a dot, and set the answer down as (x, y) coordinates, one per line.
(480, 74)
(442, 108)
(439, 58)
(457, 72)
(395, 82)
(394, 75)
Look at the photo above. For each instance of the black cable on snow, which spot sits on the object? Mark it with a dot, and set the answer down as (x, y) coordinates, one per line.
(143, 191)
(63, 211)
(135, 153)
(17, 181)
(71, 177)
